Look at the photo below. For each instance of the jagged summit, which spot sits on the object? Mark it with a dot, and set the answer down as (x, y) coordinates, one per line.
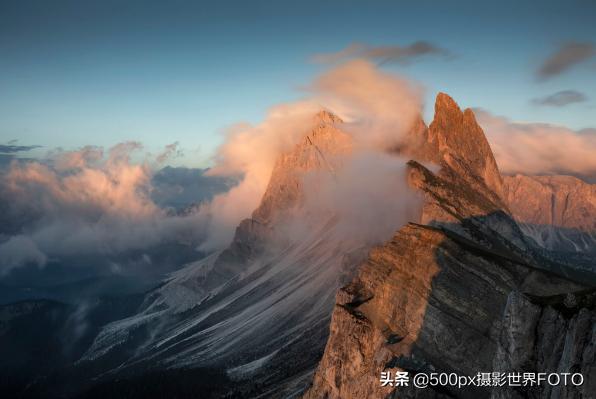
(464, 289)
(445, 108)
(455, 140)
(325, 130)
(327, 117)
(462, 144)
(323, 148)
(558, 212)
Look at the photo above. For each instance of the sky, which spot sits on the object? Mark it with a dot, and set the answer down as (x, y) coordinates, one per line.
(78, 73)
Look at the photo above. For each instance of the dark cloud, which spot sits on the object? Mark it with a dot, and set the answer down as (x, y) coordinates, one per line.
(13, 149)
(182, 187)
(5, 159)
(561, 98)
(566, 56)
(384, 54)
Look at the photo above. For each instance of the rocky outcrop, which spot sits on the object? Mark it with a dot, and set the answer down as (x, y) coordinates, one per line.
(324, 148)
(548, 334)
(428, 301)
(455, 139)
(558, 212)
(464, 292)
(562, 201)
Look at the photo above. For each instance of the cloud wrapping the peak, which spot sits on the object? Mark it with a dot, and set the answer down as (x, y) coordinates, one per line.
(377, 107)
(97, 203)
(564, 58)
(384, 54)
(250, 152)
(369, 195)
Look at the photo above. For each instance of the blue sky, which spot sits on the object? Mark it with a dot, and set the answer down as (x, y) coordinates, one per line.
(89, 72)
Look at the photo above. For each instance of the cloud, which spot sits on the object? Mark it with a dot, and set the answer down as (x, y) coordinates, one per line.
(561, 98)
(20, 250)
(182, 187)
(564, 58)
(104, 204)
(378, 108)
(249, 153)
(13, 148)
(536, 148)
(9, 151)
(384, 54)
(101, 204)
(171, 151)
(84, 203)
(369, 196)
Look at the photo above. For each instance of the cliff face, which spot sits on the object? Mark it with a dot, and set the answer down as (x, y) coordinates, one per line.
(562, 201)
(558, 212)
(427, 301)
(455, 139)
(324, 148)
(464, 292)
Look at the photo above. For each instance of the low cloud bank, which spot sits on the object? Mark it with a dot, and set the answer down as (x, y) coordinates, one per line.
(85, 202)
(536, 148)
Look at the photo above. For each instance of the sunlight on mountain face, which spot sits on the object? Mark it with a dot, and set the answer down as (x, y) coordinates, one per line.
(203, 201)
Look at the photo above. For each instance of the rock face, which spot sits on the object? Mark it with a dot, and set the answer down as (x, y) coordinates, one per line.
(562, 201)
(466, 291)
(324, 148)
(455, 139)
(558, 212)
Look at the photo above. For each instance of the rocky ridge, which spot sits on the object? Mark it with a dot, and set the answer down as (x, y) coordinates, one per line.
(556, 211)
(466, 291)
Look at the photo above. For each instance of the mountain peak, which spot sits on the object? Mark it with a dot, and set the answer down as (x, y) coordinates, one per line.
(445, 106)
(323, 148)
(459, 142)
(454, 139)
(327, 117)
